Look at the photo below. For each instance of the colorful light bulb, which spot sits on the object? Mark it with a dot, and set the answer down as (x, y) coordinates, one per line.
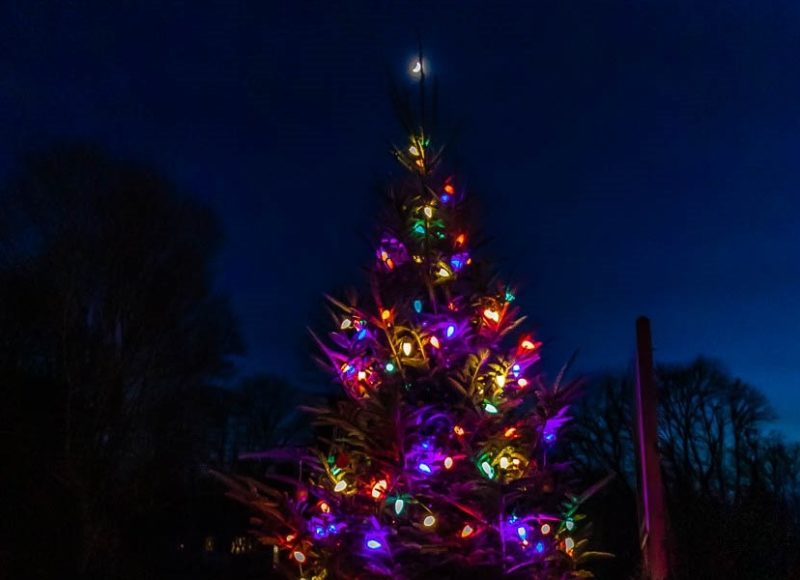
(569, 544)
(522, 532)
(545, 529)
(509, 433)
(299, 556)
(417, 305)
(491, 314)
(489, 408)
(539, 547)
(466, 531)
(522, 383)
(379, 488)
(424, 468)
(398, 506)
(487, 469)
(390, 367)
(451, 329)
(448, 462)
(374, 544)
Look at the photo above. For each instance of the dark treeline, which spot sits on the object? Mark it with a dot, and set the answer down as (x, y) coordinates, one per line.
(733, 486)
(116, 373)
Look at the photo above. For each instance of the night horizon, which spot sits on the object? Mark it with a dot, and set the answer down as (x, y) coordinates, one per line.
(184, 187)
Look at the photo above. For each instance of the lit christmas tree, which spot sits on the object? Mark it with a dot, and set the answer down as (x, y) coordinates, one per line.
(439, 458)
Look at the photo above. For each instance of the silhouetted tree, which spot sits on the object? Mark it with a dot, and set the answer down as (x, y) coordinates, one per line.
(732, 489)
(109, 323)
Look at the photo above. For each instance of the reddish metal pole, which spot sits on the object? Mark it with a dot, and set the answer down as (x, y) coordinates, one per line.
(652, 512)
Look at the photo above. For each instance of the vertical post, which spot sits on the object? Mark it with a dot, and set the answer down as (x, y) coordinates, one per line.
(652, 512)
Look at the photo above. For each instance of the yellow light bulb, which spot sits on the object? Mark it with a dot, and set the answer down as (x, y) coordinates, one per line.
(362, 375)
(500, 380)
(448, 462)
(429, 521)
(407, 348)
(504, 462)
(491, 314)
(386, 314)
(414, 151)
(428, 211)
(444, 273)
(434, 342)
(458, 430)
(340, 486)
(346, 323)
(545, 529)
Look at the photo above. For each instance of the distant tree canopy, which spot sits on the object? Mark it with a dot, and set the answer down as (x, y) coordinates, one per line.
(108, 321)
(733, 489)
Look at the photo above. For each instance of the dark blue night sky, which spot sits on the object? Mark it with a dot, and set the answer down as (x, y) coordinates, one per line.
(630, 157)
